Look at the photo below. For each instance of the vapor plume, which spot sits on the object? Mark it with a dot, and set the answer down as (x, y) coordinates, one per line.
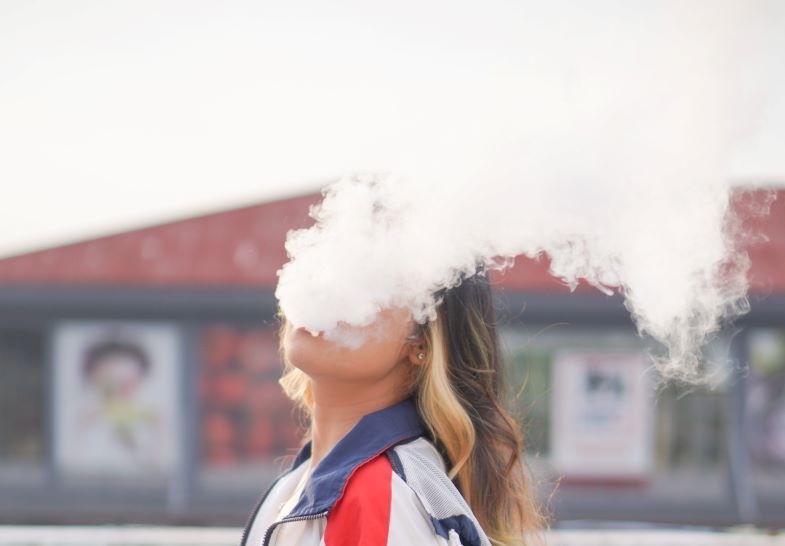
(609, 152)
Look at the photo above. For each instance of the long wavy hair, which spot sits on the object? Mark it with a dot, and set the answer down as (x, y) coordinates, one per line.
(461, 396)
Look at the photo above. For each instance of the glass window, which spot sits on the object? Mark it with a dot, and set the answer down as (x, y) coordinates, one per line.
(22, 397)
(766, 397)
(765, 421)
(590, 424)
(532, 351)
(246, 420)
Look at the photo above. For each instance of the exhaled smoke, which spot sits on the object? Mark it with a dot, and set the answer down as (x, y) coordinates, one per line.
(609, 152)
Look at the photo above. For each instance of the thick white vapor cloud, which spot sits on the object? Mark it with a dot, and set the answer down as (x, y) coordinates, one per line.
(607, 147)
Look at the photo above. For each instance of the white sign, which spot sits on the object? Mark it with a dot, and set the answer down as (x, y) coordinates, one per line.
(601, 408)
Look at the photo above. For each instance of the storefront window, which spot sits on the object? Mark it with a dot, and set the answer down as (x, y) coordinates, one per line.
(766, 398)
(687, 423)
(533, 352)
(246, 420)
(22, 398)
(765, 420)
(604, 439)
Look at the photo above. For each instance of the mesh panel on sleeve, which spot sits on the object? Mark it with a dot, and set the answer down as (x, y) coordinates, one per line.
(425, 474)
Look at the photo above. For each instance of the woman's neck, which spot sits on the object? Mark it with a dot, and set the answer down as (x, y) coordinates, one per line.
(338, 406)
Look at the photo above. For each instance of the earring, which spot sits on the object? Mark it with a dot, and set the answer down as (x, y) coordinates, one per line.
(421, 356)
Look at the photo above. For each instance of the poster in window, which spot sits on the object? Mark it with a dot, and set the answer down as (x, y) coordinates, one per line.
(116, 397)
(602, 411)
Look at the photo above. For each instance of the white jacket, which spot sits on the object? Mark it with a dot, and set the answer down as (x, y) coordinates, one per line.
(383, 484)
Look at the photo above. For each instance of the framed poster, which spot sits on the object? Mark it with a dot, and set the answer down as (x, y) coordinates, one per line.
(116, 397)
(602, 411)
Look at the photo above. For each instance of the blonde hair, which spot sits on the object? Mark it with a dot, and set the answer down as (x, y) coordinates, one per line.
(459, 397)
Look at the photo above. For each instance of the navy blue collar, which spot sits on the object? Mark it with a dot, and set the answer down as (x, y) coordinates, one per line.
(371, 436)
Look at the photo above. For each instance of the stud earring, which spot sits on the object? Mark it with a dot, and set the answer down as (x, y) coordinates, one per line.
(421, 356)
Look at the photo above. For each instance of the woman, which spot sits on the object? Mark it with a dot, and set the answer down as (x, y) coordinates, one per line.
(409, 441)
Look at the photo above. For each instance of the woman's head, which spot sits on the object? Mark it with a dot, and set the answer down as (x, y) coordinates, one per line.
(452, 366)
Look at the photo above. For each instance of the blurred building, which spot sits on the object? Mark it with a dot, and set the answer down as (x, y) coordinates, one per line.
(138, 383)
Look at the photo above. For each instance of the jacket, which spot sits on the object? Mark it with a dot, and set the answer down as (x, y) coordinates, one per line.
(383, 484)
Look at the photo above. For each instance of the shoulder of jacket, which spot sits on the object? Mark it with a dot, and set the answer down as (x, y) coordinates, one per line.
(419, 464)
(378, 508)
(362, 513)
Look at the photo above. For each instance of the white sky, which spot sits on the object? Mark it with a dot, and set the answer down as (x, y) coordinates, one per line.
(115, 115)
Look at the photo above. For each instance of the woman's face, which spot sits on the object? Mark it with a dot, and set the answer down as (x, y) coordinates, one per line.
(375, 351)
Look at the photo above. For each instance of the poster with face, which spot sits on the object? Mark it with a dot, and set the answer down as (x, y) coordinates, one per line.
(602, 412)
(116, 397)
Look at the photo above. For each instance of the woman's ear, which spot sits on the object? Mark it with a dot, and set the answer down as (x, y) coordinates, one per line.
(417, 352)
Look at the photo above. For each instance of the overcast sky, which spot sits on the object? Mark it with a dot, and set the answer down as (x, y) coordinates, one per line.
(115, 115)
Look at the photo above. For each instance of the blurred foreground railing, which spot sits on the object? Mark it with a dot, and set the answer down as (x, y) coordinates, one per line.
(211, 536)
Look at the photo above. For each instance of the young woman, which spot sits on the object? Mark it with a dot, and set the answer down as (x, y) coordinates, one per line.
(409, 440)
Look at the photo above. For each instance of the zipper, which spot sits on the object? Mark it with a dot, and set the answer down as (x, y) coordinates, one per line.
(272, 527)
(255, 511)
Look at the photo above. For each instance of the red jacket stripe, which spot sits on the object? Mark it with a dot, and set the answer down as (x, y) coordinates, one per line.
(362, 516)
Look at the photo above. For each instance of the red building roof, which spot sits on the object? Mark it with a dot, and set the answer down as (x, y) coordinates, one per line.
(244, 247)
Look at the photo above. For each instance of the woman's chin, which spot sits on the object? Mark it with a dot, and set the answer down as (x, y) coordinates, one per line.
(303, 349)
